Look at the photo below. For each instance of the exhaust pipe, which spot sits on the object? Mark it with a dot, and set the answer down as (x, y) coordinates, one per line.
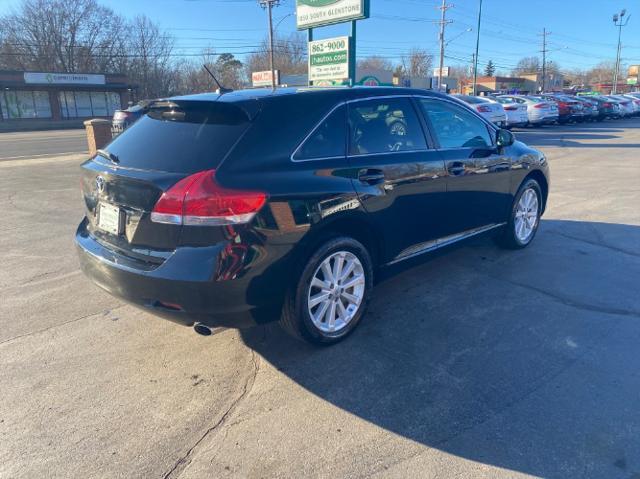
(202, 330)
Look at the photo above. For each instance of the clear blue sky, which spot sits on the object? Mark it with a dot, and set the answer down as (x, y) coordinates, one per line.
(583, 33)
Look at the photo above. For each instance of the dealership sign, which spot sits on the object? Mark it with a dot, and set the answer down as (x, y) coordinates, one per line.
(264, 78)
(63, 79)
(316, 13)
(329, 60)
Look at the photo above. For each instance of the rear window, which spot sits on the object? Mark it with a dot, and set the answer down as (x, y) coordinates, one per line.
(181, 137)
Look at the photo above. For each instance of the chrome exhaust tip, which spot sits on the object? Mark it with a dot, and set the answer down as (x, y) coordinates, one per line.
(202, 330)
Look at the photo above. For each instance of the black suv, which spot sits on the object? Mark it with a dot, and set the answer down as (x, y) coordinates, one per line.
(261, 205)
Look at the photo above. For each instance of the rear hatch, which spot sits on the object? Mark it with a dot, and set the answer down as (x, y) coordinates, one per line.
(174, 140)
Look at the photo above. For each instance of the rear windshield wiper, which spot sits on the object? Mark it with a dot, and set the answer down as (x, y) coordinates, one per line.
(109, 156)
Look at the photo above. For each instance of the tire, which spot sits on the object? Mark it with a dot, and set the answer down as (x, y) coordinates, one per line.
(310, 323)
(513, 235)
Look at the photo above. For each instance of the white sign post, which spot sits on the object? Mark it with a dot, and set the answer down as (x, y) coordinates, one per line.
(259, 79)
(329, 61)
(316, 13)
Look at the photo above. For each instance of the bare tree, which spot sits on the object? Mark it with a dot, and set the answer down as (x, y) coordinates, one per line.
(602, 72)
(150, 52)
(61, 35)
(290, 56)
(228, 70)
(375, 62)
(417, 64)
(527, 65)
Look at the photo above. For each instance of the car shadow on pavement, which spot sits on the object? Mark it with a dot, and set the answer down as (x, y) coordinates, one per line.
(525, 360)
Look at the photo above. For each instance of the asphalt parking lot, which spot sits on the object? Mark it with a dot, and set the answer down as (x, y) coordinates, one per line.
(41, 144)
(478, 362)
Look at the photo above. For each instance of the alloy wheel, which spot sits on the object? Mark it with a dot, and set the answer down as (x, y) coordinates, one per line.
(336, 291)
(526, 216)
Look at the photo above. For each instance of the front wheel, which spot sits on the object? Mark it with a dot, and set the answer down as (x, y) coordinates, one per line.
(524, 218)
(332, 293)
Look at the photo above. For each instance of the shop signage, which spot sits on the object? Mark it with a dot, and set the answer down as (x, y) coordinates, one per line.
(259, 79)
(445, 72)
(329, 60)
(63, 79)
(317, 13)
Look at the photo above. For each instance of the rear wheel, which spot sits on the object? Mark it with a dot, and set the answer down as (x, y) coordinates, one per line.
(332, 293)
(524, 218)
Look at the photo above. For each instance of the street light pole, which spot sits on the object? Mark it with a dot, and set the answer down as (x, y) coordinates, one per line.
(618, 22)
(475, 58)
(268, 4)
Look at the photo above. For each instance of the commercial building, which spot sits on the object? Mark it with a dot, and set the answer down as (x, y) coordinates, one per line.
(59, 97)
(527, 83)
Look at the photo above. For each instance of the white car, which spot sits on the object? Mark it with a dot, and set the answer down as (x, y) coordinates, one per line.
(635, 101)
(516, 113)
(626, 105)
(491, 110)
(540, 112)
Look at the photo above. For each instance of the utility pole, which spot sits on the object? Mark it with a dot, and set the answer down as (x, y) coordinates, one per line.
(618, 22)
(475, 57)
(269, 4)
(443, 22)
(544, 35)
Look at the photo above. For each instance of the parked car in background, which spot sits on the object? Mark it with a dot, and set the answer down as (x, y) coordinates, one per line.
(281, 205)
(540, 112)
(590, 109)
(516, 113)
(491, 110)
(606, 107)
(568, 109)
(122, 119)
(635, 102)
(626, 106)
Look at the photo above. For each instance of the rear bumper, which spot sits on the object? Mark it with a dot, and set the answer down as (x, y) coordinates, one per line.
(183, 289)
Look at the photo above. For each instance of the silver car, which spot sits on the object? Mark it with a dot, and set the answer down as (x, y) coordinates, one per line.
(540, 112)
(516, 113)
(491, 110)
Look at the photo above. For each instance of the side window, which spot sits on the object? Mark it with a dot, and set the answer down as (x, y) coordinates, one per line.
(383, 126)
(328, 140)
(454, 127)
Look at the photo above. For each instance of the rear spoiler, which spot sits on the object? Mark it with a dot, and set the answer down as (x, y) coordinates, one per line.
(171, 108)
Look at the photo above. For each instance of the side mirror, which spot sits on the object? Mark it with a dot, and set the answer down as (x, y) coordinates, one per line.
(504, 138)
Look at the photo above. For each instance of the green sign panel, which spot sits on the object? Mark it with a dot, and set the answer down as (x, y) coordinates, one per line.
(632, 81)
(329, 61)
(317, 13)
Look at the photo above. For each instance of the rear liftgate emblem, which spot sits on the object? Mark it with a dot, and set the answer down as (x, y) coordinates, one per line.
(100, 183)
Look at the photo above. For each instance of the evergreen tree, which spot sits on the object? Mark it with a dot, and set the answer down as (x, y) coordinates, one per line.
(490, 69)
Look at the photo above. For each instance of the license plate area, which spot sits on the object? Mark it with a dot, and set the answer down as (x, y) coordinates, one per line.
(110, 218)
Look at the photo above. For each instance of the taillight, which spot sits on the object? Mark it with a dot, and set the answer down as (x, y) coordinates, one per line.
(483, 109)
(199, 201)
(541, 105)
(511, 108)
(607, 105)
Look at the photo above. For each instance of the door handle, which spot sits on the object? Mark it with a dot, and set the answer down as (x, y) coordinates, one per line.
(371, 176)
(456, 168)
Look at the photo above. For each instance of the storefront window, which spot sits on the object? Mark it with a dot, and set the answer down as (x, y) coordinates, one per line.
(99, 103)
(82, 104)
(113, 102)
(42, 104)
(21, 104)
